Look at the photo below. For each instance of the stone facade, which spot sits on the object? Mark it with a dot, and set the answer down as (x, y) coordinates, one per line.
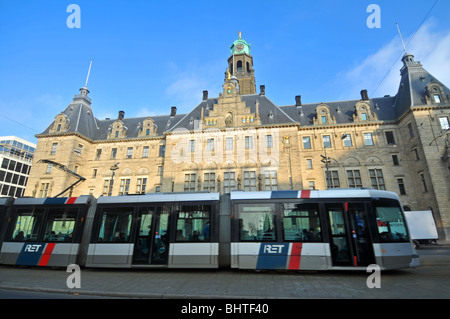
(241, 140)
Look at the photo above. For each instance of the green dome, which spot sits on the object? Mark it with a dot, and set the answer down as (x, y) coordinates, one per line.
(240, 46)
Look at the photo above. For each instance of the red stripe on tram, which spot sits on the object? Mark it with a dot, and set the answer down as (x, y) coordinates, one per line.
(305, 194)
(294, 261)
(71, 200)
(356, 261)
(46, 255)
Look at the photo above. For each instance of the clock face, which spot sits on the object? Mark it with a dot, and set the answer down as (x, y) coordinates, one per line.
(239, 47)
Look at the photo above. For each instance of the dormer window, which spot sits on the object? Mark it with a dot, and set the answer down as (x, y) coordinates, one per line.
(364, 116)
(437, 99)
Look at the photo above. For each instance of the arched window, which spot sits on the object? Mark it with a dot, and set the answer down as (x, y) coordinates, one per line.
(239, 65)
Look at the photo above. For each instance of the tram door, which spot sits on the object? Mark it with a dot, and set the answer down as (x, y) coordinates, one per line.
(350, 240)
(152, 241)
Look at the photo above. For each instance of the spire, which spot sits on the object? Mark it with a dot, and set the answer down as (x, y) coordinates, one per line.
(84, 91)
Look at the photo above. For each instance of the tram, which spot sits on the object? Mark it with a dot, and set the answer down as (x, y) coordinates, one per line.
(285, 230)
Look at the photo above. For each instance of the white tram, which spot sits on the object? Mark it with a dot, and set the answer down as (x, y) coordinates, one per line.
(289, 230)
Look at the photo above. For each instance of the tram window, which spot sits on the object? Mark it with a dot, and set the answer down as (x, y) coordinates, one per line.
(115, 225)
(301, 222)
(60, 225)
(193, 223)
(391, 223)
(257, 222)
(28, 223)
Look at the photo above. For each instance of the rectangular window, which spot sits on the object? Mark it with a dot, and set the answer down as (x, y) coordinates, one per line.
(309, 163)
(189, 182)
(270, 180)
(27, 225)
(43, 191)
(416, 154)
(229, 143)
(306, 142)
(401, 186)
(129, 152)
(348, 140)
(395, 160)
(124, 186)
(60, 225)
(332, 179)
(249, 181)
(354, 178)
(377, 179)
(269, 142)
(368, 140)
(113, 153)
(437, 98)
(147, 132)
(115, 225)
(94, 173)
(209, 182)
(145, 152)
(326, 141)
(256, 222)
(162, 150)
(141, 185)
(390, 138)
(210, 144)
(229, 182)
(193, 223)
(99, 154)
(248, 142)
(301, 222)
(192, 146)
(324, 119)
(364, 116)
(49, 168)
(54, 147)
(160, 170)
(444, 123)
(312, 185)
(107, 187)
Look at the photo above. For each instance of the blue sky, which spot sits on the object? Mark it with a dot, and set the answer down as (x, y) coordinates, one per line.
(151, 55)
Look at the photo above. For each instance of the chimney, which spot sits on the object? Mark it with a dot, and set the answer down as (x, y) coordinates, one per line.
(205, 95)
(263, 89)
(298, 100)
(121, 115)
(364, 95)
(173, 111)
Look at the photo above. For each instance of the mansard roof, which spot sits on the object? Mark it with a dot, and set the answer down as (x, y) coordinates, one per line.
(417, 88)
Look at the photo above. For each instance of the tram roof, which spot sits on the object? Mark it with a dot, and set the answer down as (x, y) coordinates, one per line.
(84, 199)
(160, 197)
(331, 193)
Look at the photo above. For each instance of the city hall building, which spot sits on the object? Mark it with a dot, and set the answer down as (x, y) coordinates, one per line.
(241, 140)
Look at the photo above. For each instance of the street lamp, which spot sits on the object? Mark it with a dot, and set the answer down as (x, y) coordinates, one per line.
(111, 184)
(325, 159)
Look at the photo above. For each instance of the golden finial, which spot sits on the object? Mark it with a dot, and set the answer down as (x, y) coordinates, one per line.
(229, 75)
(239, 34)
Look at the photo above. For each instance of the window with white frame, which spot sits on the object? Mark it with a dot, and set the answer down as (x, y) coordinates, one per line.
(249, 181)
(368, 139)
(377, 179)
(189, 182)
(209, 182)
(270, 180)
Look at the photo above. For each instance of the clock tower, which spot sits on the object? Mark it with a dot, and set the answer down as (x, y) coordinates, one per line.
(240, 65)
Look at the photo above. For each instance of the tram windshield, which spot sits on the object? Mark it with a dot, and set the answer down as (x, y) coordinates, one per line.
(391, 222)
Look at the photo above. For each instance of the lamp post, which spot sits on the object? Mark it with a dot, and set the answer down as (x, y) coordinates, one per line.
(325, 159)
(111, 184)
